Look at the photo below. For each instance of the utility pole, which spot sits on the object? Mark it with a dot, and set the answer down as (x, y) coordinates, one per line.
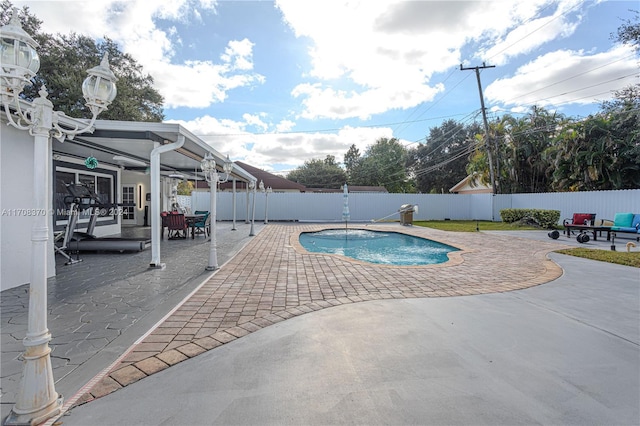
(484, 119)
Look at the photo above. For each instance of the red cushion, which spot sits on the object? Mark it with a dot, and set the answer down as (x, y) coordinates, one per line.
(582, 218)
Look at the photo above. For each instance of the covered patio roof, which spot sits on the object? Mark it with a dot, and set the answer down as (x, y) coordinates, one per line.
(129, 144)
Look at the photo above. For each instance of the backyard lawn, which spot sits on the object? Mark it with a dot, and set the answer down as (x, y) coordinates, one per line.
(619, 257)
(472, 225)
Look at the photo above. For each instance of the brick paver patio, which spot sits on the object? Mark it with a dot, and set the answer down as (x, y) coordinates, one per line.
(273, 278)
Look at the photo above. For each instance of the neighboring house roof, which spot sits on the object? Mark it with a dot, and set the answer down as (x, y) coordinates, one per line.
(471, 184)
(277, 183)
(356, 188)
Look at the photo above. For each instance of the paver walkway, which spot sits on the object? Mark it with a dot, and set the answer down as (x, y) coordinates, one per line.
(273, 279)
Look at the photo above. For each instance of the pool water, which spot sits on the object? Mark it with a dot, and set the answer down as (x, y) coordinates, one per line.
(388, 248)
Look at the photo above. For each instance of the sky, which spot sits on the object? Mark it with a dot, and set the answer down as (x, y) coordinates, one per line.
(275, 84)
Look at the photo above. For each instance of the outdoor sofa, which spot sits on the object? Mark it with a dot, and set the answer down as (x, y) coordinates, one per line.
(627, 223)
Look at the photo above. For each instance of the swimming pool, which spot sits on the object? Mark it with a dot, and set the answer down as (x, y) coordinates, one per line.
(388, 248)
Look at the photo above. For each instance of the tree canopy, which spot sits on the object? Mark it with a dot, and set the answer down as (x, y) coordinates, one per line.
(65, 60)
(319, 173)
(439, 163)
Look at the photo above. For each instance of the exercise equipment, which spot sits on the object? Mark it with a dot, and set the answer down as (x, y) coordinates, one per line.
(583, 237)
(82, 198)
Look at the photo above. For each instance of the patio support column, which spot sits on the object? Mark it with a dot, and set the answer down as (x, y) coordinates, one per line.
(155, 199)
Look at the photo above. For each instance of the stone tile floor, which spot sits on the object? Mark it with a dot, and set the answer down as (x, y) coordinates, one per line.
(100, 306)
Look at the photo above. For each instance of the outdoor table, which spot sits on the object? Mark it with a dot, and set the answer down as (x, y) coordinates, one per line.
(592, 229)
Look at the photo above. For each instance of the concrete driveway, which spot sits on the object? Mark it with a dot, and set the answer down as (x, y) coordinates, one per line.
(565, 352)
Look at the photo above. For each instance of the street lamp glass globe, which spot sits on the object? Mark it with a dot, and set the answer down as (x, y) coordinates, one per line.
(208, 164)
(19, 55)
(19, 58)
(99, 88)
(228, 165)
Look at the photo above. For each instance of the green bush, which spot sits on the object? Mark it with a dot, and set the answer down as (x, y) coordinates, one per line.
(547, 219)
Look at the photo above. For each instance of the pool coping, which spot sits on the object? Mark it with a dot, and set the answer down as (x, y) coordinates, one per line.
(454, 257)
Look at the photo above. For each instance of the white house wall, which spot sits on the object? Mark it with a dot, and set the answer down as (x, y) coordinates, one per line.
(16, 207)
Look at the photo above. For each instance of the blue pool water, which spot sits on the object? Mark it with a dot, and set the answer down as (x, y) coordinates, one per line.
(389, 248)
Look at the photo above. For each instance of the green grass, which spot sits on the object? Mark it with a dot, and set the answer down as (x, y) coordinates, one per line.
(472, 225)
(618, 257)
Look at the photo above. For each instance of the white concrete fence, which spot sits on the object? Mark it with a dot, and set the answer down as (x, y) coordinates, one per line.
(365, 207)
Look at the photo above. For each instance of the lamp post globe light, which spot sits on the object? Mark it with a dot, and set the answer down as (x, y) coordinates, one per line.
(208, 166)
(37, 399)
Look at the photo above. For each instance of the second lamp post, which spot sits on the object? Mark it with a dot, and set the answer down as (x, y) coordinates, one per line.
(266, 192)
(208, 166)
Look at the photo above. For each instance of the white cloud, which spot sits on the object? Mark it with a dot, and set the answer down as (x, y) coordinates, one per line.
(566, 77)
(290, 150)
(132, 25)
(371, 57)
(329, 103)
(531, 34)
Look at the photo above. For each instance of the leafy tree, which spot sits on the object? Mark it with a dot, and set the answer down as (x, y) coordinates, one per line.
(65, 60)
(185, 187)
(522, 164)
(383, 164)
(440, 163)
(629, 32)
(522, 161)
(351, 161)
(602, 151)
(319, 174)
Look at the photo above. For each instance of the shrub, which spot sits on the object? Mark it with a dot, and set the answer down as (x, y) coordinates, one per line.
(547, 219)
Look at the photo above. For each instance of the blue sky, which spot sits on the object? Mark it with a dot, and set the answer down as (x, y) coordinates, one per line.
(276, 83)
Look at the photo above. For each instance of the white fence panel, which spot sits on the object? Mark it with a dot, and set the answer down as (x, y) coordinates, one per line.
(605, 204)
(367, 207)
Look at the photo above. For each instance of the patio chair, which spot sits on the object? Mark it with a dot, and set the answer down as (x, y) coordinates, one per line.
(176, 226)
(203, 226)
(581, 219)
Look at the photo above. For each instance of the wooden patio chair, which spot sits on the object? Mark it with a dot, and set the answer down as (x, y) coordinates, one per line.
(177, 226)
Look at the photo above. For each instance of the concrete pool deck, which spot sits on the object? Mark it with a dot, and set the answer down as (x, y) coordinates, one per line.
(273, 279)
(561, 353)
